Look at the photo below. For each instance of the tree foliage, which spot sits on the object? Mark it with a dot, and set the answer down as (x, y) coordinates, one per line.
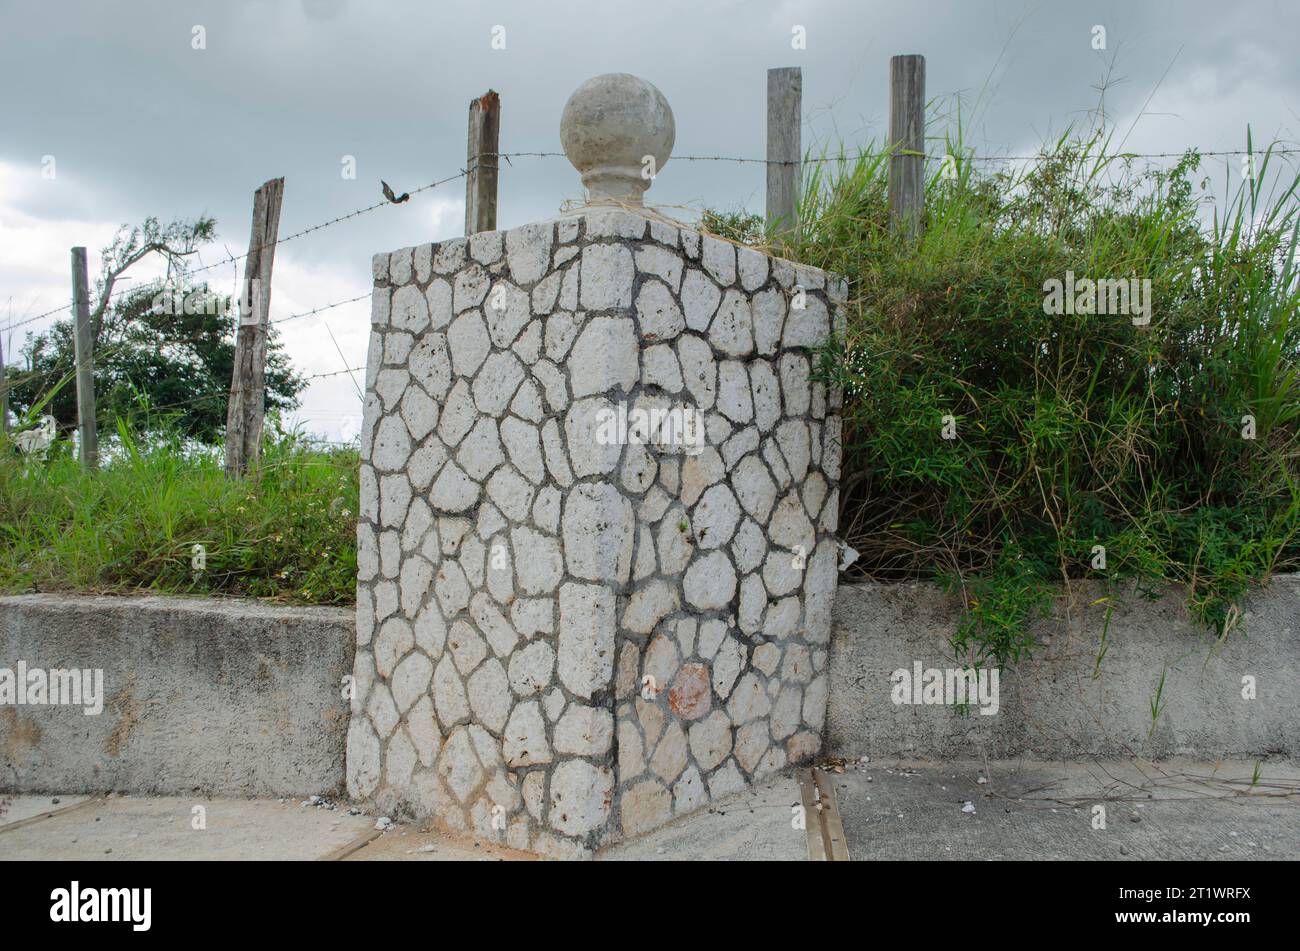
(153, 358)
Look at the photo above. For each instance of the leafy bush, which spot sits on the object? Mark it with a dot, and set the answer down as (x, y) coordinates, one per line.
(737, 225)
(159, 358)
(1073, 432)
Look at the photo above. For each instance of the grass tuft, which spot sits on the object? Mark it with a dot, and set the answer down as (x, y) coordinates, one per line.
(132, 526)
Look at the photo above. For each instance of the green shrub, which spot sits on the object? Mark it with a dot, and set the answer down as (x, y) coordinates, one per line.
(1072, 431)
(737, 225)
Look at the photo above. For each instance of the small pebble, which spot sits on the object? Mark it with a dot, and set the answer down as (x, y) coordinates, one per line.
(969, 808)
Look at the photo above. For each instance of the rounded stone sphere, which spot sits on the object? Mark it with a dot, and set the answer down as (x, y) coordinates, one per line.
(611, 127)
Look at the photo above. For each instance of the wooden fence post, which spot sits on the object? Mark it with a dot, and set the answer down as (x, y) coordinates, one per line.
(83, 342)
(907, 142)
(482, 163)
(784, 151)
(4, 391)
(246, 409)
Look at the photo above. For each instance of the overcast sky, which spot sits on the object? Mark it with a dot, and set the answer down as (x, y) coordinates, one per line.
(140, 123)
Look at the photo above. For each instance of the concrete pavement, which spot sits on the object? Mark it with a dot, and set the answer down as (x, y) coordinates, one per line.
(890, 810)
(752, 826)
(1178, 809)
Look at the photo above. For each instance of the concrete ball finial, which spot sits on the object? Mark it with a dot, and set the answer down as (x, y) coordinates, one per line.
(618, 131)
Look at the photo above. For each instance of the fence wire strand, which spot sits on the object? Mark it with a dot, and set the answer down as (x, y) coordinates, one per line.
(740, 160)
(234, 259)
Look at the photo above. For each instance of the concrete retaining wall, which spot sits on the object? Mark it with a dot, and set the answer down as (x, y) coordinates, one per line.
(222, 697)
(1052, 707)
(242, 698)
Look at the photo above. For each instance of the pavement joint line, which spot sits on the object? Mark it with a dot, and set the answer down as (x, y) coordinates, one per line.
(817, 840)
(356, 845)
(837, 847)
(62, 810)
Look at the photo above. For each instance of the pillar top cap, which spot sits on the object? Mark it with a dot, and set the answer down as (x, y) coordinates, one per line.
(618, 131)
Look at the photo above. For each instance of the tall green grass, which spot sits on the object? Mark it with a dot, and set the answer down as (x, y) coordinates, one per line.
(1073, 431)
(132, 526)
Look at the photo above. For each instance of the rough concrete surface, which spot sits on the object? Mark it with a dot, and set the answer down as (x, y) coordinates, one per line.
(15, 809)
(753, 826)
(412, 844)
(891, 810)
(1051, 706)
(126, 828)
(1178, 809)
(217, 696)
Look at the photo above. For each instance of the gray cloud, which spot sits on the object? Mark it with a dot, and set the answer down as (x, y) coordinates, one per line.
(141, 123)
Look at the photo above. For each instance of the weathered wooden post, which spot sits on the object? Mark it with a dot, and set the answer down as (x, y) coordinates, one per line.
(244, 414)
(482, 163)
(84, 349)
(4, 391)
(907, 142)
(784, 154)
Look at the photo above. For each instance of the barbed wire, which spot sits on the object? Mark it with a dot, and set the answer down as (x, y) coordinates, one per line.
(326, 224)
(743, 160)
(1124, 155)
(321, 376)
(194, 338)
(28, 320)
(234, 259)
(933, 156)
(223, 395)
(317, 310)
(111, 350)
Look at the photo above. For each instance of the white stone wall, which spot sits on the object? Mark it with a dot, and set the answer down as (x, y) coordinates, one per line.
(560, 640)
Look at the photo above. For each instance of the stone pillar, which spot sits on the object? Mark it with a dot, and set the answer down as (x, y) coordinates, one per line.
(596, 561)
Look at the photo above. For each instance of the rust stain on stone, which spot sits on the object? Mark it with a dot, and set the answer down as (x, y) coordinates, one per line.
(126, 708)
(22, 734)
(690, 697)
